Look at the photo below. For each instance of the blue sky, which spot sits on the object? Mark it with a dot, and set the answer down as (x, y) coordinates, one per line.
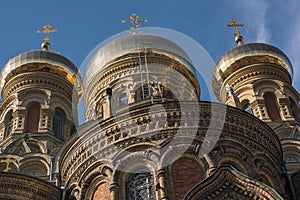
(84, 24)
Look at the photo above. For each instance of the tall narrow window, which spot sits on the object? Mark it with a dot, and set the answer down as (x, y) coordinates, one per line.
(33, 118)
(58, 121)
(145, 92)
(123, 100)
(294, 109)
(248, 108)
(9, 121)
(271, 105)
(140, 186)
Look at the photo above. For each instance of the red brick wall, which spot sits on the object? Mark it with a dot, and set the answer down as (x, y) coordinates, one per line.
(186, 173)
(102, 192)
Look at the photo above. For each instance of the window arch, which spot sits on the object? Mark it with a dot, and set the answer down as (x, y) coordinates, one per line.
(33, 118)
(265, 180)
(271, 106)
(247, 107)
(140, 185)
(58, 123)
(33, 168)
(9, 122)
(167, 93)
(291, 160)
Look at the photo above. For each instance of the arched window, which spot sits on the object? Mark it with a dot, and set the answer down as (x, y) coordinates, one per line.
(140, 186)
(248, 108)
(33, 118)
(58, 123)
(123, 100)
(33, 168)
(291, 160)
(294, 109)
(9, 122)
(271, 105)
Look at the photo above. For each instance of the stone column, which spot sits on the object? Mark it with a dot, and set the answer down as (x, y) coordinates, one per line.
(19, 121)
(114, 188)
(161, 185)
(285, 109)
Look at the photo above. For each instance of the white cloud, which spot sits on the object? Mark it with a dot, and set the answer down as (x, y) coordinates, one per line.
(254, 15)
(292, 38)
(259, 17)
(276, 23)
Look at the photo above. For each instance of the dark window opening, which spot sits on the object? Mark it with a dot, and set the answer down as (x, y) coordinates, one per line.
(58, 122)
(294, 110)
(272, 107)
(140, 186)
(248, 108)
(33, 118)
(9, 124)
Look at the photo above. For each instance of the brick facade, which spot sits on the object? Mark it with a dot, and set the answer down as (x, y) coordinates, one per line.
(186, 173)
(102, 192)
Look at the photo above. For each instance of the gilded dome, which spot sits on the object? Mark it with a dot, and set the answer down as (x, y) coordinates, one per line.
(230, 62)
(132, 44)
(62, 64)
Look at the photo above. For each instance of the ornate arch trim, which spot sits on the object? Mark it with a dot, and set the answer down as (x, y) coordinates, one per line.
(228, 183)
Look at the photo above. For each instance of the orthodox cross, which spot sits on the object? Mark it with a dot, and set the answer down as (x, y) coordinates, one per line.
(134, 19)
(7, 161)
(234, 25)
(47, 30)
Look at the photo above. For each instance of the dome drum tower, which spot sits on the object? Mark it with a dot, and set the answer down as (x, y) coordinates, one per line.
(255, 72)
(36, 85)
(261, 77)
(146, 121)
(143, 68)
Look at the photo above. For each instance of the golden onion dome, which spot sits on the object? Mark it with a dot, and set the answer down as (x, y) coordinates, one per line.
(135, 43)
(56, 63)
(233, 59)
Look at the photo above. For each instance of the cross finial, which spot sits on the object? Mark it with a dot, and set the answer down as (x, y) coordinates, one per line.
(47, 30)
(238, 37)
(234, 25)
(134, 19)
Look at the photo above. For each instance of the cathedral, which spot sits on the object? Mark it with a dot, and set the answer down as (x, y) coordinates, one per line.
(147, 134)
